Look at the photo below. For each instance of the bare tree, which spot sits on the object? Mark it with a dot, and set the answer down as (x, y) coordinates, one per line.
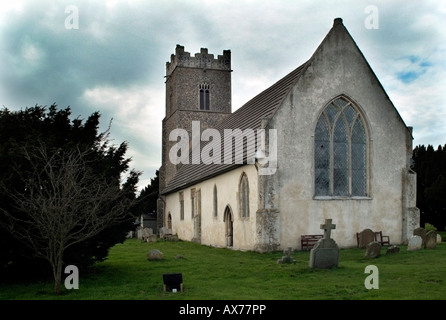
(64, 202)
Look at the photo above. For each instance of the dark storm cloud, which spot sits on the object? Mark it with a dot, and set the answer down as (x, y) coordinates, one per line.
(45, 62)
(115, 62)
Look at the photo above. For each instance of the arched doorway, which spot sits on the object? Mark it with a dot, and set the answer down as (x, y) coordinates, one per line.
(228, 218)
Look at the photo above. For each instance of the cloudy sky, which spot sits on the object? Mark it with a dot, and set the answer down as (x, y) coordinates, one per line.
(110, 56)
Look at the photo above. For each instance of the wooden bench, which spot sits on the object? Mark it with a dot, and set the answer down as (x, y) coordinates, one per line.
(307, 241)
(383, 240)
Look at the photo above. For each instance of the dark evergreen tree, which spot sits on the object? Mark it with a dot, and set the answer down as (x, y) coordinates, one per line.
(430, 166)
(51, 129)
(148, 197)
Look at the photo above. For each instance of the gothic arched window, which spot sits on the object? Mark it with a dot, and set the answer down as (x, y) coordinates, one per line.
(215, 201)
(340, 151)
(204, 96)
(244, 196)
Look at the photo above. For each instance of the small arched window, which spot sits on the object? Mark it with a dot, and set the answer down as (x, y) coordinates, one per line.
(244, 196)
(215, 202)
(169, 221)
(204, 96)
(181, 205)
(340, 151)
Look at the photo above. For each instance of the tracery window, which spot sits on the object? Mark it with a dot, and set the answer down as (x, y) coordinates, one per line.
(340, 151)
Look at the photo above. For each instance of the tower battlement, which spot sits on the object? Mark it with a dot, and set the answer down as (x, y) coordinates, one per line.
(203, 60)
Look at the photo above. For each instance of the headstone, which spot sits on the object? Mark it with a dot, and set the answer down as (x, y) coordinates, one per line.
(155, 254)
(420, 232)
(165, 232)
(152, 238)
(414, 243)
(439, 238)
(325, 253)
(431, 240)
(146, 233)
(287, 257)
(393, 249)
(373, 250)
(171, 237)
(139, 234)
(365, 237)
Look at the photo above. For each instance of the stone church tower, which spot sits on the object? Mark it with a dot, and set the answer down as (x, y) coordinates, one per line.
(198, 88)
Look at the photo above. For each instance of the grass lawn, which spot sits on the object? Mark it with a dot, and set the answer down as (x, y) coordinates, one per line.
(223, 274)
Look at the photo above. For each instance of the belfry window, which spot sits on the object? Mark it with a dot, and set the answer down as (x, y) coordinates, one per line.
(340, 151)
(204, 96)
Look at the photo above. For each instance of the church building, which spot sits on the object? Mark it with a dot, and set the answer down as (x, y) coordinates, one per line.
(323, 142)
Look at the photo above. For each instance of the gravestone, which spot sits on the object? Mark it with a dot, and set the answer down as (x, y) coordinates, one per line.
(393, 249)
(287, 257)
(422, 233)
(365, 237)
(171, 237)
(146, 233)
(373, 249)
(414, 243)
(431, 240)
(325, 253)
(152, 238)
(165, 232)
(439, 238)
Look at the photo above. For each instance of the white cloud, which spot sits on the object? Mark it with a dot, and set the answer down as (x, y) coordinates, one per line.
(137, 114)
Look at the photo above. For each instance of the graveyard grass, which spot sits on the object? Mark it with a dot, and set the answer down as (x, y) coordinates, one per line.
(222, 274)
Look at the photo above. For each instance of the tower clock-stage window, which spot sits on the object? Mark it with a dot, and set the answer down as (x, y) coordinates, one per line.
(340, 151)
(204, 96)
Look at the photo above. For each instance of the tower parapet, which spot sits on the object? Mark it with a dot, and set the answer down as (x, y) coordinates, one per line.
(202, 60)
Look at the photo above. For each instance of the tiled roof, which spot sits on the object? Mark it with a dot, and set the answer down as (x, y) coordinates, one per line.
(249, 116)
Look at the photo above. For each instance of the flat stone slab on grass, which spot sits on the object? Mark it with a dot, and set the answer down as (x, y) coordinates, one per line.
(393, 249)
(155, 254)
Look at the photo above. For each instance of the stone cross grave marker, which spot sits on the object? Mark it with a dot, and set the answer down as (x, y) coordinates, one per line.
(327, 228)
(325, 253)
